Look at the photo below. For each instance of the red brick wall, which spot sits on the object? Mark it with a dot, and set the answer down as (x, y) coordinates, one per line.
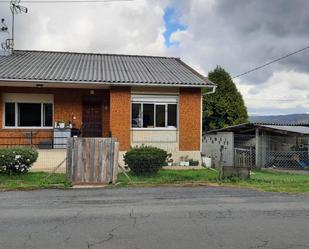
(1, 106)
(19, 137)
(189, 119)
(120, 107)
(68, 105)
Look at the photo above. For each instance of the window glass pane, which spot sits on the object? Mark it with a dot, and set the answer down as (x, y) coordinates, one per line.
(9, 114)
(29, 114)
(160, 115)
(136, 115)
(48, 114)
(148, 115)
(172, 115)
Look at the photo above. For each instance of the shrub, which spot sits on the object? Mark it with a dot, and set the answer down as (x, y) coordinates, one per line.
(145, 159)
(17, 160)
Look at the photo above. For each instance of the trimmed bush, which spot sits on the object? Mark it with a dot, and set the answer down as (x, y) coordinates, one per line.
(17, 160)
(145, 159)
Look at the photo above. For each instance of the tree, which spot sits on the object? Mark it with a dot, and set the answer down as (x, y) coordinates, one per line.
(226, 106)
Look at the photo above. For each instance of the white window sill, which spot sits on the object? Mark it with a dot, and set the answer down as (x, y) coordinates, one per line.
(27, 128)
(155, 129)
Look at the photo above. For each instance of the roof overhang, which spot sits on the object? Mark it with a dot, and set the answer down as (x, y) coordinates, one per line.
(87, 84)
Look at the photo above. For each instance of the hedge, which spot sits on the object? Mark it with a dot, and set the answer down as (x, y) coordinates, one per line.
(145, 159)
(17, 160)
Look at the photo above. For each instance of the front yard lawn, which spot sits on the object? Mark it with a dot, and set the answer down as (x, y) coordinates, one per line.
(260, 180)
(32, 180)
(167, 176)
(277, 182)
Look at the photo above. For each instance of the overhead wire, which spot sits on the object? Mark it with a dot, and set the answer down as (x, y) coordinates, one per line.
(270, 62)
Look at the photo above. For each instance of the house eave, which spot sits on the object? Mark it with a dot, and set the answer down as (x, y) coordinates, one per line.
(89, 84)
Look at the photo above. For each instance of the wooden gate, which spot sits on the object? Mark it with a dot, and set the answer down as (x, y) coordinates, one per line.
(92, 160)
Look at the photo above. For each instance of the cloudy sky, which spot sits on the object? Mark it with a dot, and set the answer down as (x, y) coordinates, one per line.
(236, 34)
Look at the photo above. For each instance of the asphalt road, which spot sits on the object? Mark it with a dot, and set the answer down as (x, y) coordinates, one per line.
(165, 218)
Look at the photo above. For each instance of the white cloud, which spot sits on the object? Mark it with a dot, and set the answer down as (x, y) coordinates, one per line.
(283, 90)
(122, 27)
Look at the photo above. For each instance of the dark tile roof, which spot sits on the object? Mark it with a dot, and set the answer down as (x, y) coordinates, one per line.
(98, 68)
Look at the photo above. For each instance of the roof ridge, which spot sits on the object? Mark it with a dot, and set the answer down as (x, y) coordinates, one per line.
(93, 53)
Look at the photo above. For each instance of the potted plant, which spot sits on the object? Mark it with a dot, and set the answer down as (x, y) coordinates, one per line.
(169, 160)
(184, 161)
(61, 124)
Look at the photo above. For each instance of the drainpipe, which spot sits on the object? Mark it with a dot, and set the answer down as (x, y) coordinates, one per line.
(211, 92)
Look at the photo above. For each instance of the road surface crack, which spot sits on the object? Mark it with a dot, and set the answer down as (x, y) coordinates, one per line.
(110, 236)
(63, 222)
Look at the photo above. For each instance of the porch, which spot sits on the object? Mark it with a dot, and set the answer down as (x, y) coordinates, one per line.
(44, 117)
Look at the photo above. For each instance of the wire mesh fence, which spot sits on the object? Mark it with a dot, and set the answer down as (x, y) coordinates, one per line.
(286, 159)
(279, 151)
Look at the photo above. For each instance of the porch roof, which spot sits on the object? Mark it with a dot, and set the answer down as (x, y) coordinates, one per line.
(112, 69)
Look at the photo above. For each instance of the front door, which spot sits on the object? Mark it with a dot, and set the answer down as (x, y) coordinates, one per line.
(92, 116)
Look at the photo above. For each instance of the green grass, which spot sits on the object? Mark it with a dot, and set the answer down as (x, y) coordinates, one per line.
(166, 176)
(260, 180)
(277, 182)
(33, 180)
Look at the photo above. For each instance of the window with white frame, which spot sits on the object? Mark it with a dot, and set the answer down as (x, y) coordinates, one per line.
(25, 110)
(154, 111)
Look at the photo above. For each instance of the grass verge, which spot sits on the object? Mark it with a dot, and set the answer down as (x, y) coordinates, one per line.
(277, 182)
(260, 180)
(33, 180)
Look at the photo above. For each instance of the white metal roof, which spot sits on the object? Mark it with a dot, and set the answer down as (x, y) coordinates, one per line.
(295, 129)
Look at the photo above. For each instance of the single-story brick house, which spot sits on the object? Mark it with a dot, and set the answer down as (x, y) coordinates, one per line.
(136, 99)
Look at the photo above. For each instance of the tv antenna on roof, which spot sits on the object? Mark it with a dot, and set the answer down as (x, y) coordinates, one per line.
(16, 8)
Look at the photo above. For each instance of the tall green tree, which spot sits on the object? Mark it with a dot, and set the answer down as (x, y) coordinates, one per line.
(226, 106)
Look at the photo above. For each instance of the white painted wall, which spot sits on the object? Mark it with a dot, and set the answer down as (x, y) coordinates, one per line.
(211, 148)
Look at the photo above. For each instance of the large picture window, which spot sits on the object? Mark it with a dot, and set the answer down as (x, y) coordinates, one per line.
(28, 114)
(154, 113)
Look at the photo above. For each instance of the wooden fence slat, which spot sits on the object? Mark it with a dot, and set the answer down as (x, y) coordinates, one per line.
(96, 161)
(69, 159)
(100, 161)
(87, 150)
(79, 161)
(92, 160)
(83, 159)
(74, 160)
(104, 155)
(108, 161)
